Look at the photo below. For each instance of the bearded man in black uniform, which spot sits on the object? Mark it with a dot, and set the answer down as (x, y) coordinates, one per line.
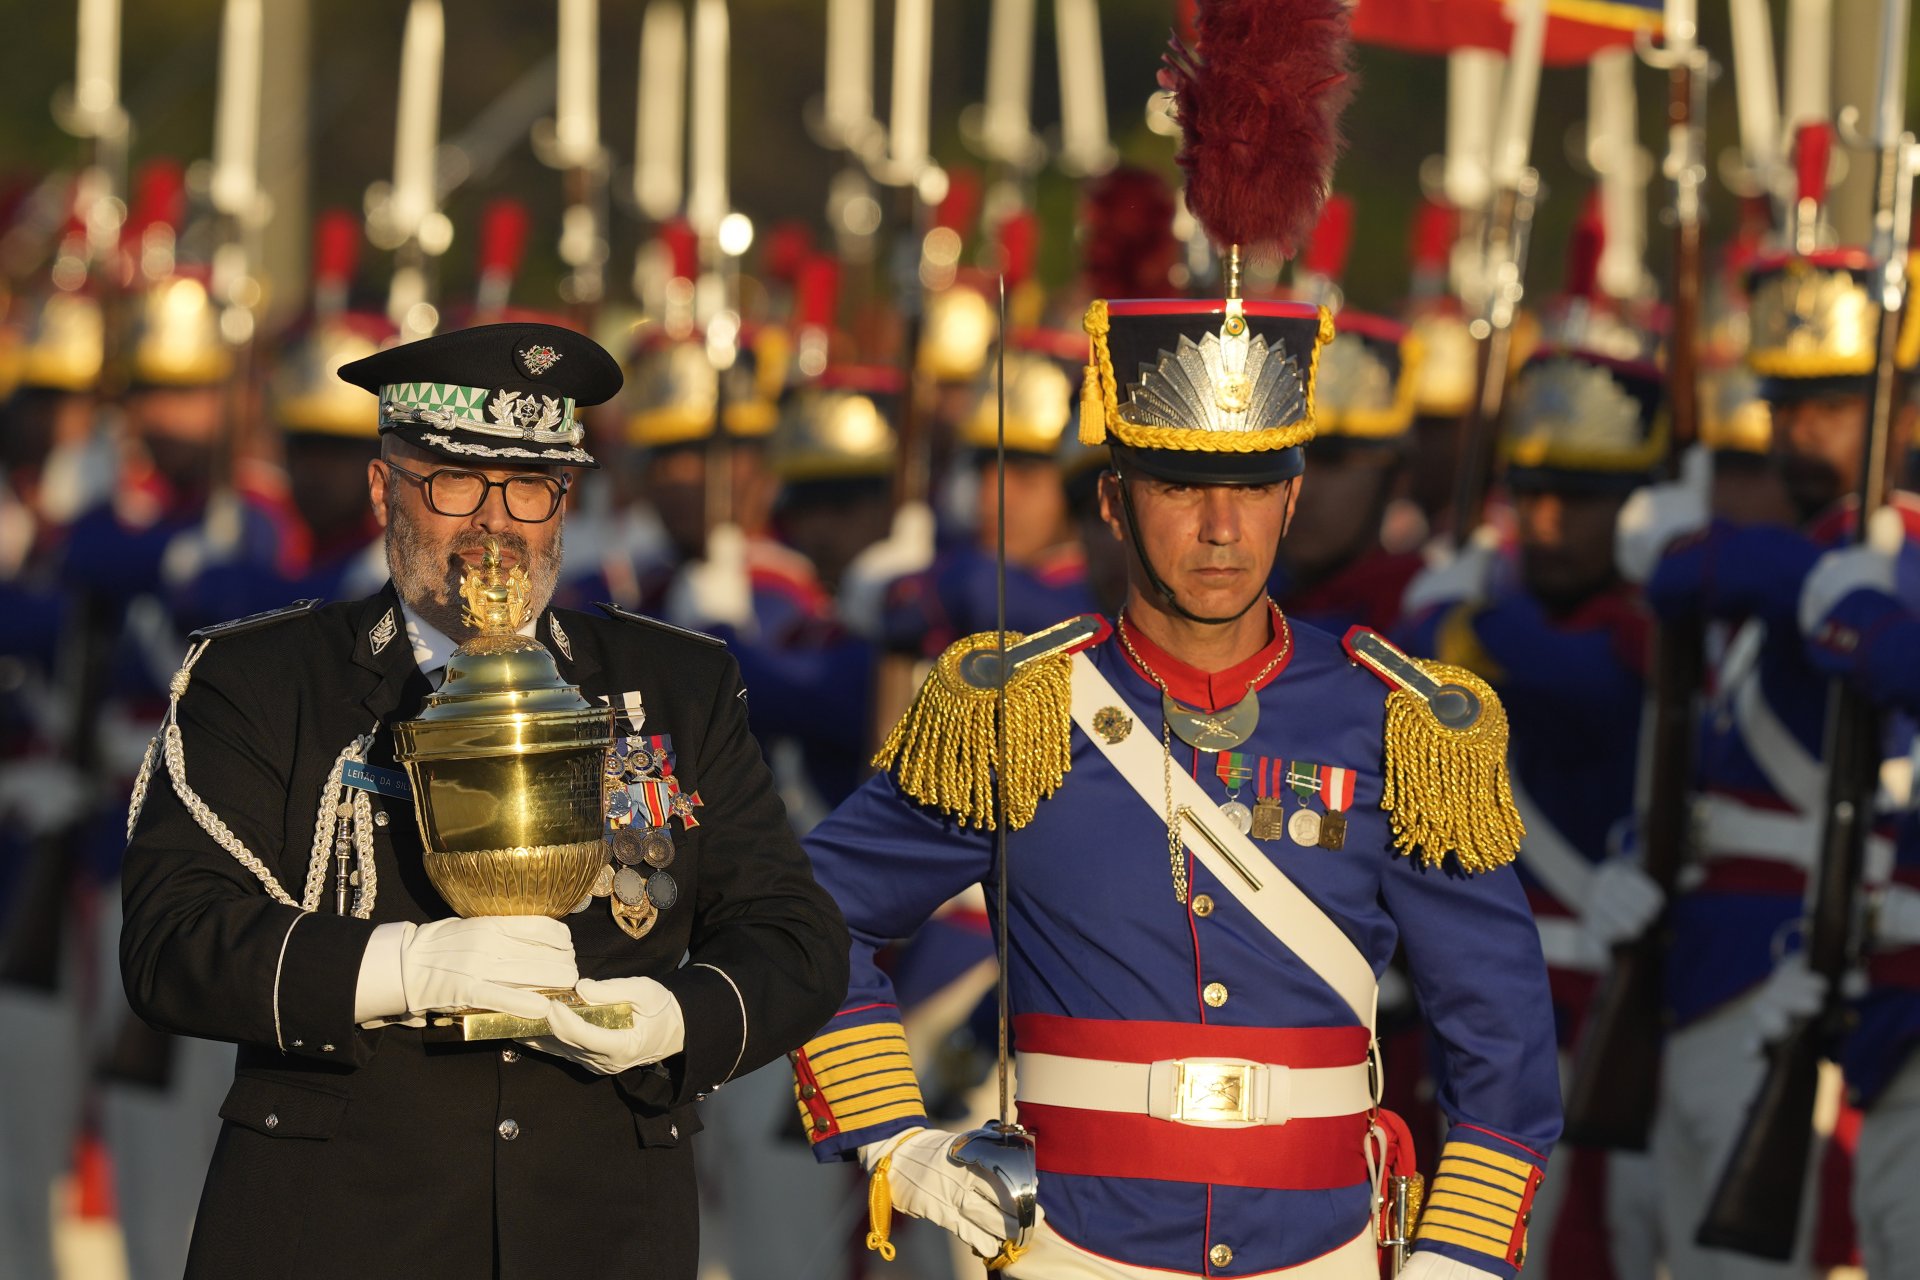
(276, 894)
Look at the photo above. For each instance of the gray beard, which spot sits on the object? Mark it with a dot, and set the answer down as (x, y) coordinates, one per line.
(427, 575)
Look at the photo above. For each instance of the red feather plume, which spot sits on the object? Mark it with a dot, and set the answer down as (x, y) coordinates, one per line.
(336, 247)
(1259, 98)
(1435, 227)
(1126, 235)
(503, 237)
(789, 245)
(1588, 242)
(1332, 236)
(1019, 237)
(817, 291)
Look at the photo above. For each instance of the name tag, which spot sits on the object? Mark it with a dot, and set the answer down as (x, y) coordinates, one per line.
(369, 777)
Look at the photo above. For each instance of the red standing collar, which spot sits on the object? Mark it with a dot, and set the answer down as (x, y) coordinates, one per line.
(1211, 690)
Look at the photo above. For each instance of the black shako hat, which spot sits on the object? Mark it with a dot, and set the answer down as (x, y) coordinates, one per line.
(502, 393)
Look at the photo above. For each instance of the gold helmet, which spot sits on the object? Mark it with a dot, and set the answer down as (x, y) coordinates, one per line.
(837, 426)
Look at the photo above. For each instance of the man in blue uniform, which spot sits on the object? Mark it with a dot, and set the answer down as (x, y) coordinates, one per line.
(1735, 976)
(1564, 641)
(1217, 848)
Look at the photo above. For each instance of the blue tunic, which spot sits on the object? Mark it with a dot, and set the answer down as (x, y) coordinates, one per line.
(1098, 934)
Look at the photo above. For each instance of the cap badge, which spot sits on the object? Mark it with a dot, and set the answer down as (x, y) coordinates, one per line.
(524, 413)
(1240, 384)
(535, 361)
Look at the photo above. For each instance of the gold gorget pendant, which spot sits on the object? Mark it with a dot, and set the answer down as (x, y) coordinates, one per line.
(1213, 730)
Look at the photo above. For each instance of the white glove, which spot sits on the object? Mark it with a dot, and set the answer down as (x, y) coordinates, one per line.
(1435, 1266)
(907, 549)
(488, 962)
(1895, 913)
(926, 1184)
(42, 794)
(1837, 574)
(1622, 900)
(1454, 577)
(658, 1031)
(1657, 515)
(715, 590)
(1791, 991)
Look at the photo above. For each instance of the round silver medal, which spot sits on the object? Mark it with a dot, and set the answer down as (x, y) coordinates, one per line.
(629, 887)
(619, 804)
(1239, 815)
(586, 900)
(662, 892)
(656, 846)
(627, 846)
(1304, 827)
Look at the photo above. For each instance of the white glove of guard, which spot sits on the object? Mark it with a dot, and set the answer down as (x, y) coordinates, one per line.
(1655, 516)
(43, 795)
(1895, 913)
(1622, 900)
(659, 1029)
(1790, 992)
(1839, 573)
(907, 549)
(1434, 1266)
(488, 962)
(1454, 577)
(715, 590)
(927, 1185)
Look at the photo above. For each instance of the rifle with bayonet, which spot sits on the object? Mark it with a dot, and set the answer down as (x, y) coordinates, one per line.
(1507, 230)
(1616, 1077)
(1756, 1208)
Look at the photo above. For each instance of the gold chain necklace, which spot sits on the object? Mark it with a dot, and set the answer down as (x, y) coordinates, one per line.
(1169, 710)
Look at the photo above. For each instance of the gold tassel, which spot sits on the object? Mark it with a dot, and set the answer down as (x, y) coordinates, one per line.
(1093, 408)
(880, 1210)
(1009, 1254)
(942, 752)
(1099, 374)
(1447, 789)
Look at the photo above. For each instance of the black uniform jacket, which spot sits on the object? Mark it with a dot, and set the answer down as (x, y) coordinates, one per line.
(377, 1153)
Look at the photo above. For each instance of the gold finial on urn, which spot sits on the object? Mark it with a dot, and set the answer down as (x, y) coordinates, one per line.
(507, 762)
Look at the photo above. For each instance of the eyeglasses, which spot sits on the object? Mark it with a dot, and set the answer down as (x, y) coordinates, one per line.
(451, 491)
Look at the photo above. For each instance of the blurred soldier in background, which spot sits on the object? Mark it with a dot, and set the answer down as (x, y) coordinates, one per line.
(1736, 976)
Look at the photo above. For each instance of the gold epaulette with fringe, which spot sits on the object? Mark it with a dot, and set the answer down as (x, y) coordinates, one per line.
(1445, 782)
(944, 750)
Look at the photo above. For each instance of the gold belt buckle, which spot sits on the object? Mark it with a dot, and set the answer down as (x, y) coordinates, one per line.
(1214, 1090)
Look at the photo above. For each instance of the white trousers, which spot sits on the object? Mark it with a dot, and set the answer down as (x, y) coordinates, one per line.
(43, 1073)
(1708, 1079)
(160, 1140)
(1886, 1179)
(1632, 1210)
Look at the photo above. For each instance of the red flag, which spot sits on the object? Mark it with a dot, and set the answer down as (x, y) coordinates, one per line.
(1576, 29)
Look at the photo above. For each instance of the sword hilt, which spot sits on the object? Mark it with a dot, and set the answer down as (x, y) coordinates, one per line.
(1004, 1154)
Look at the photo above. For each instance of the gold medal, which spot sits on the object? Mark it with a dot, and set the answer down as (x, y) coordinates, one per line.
(1269, 820)
(636, 919)
(1304, 827)
(1333, 830)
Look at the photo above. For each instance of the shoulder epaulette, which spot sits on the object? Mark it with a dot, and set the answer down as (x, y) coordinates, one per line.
(944, 749)
(685, 633)
(1444, 773)
(255, 621)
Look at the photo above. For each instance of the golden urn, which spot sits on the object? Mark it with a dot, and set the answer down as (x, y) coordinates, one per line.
(507, 762)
